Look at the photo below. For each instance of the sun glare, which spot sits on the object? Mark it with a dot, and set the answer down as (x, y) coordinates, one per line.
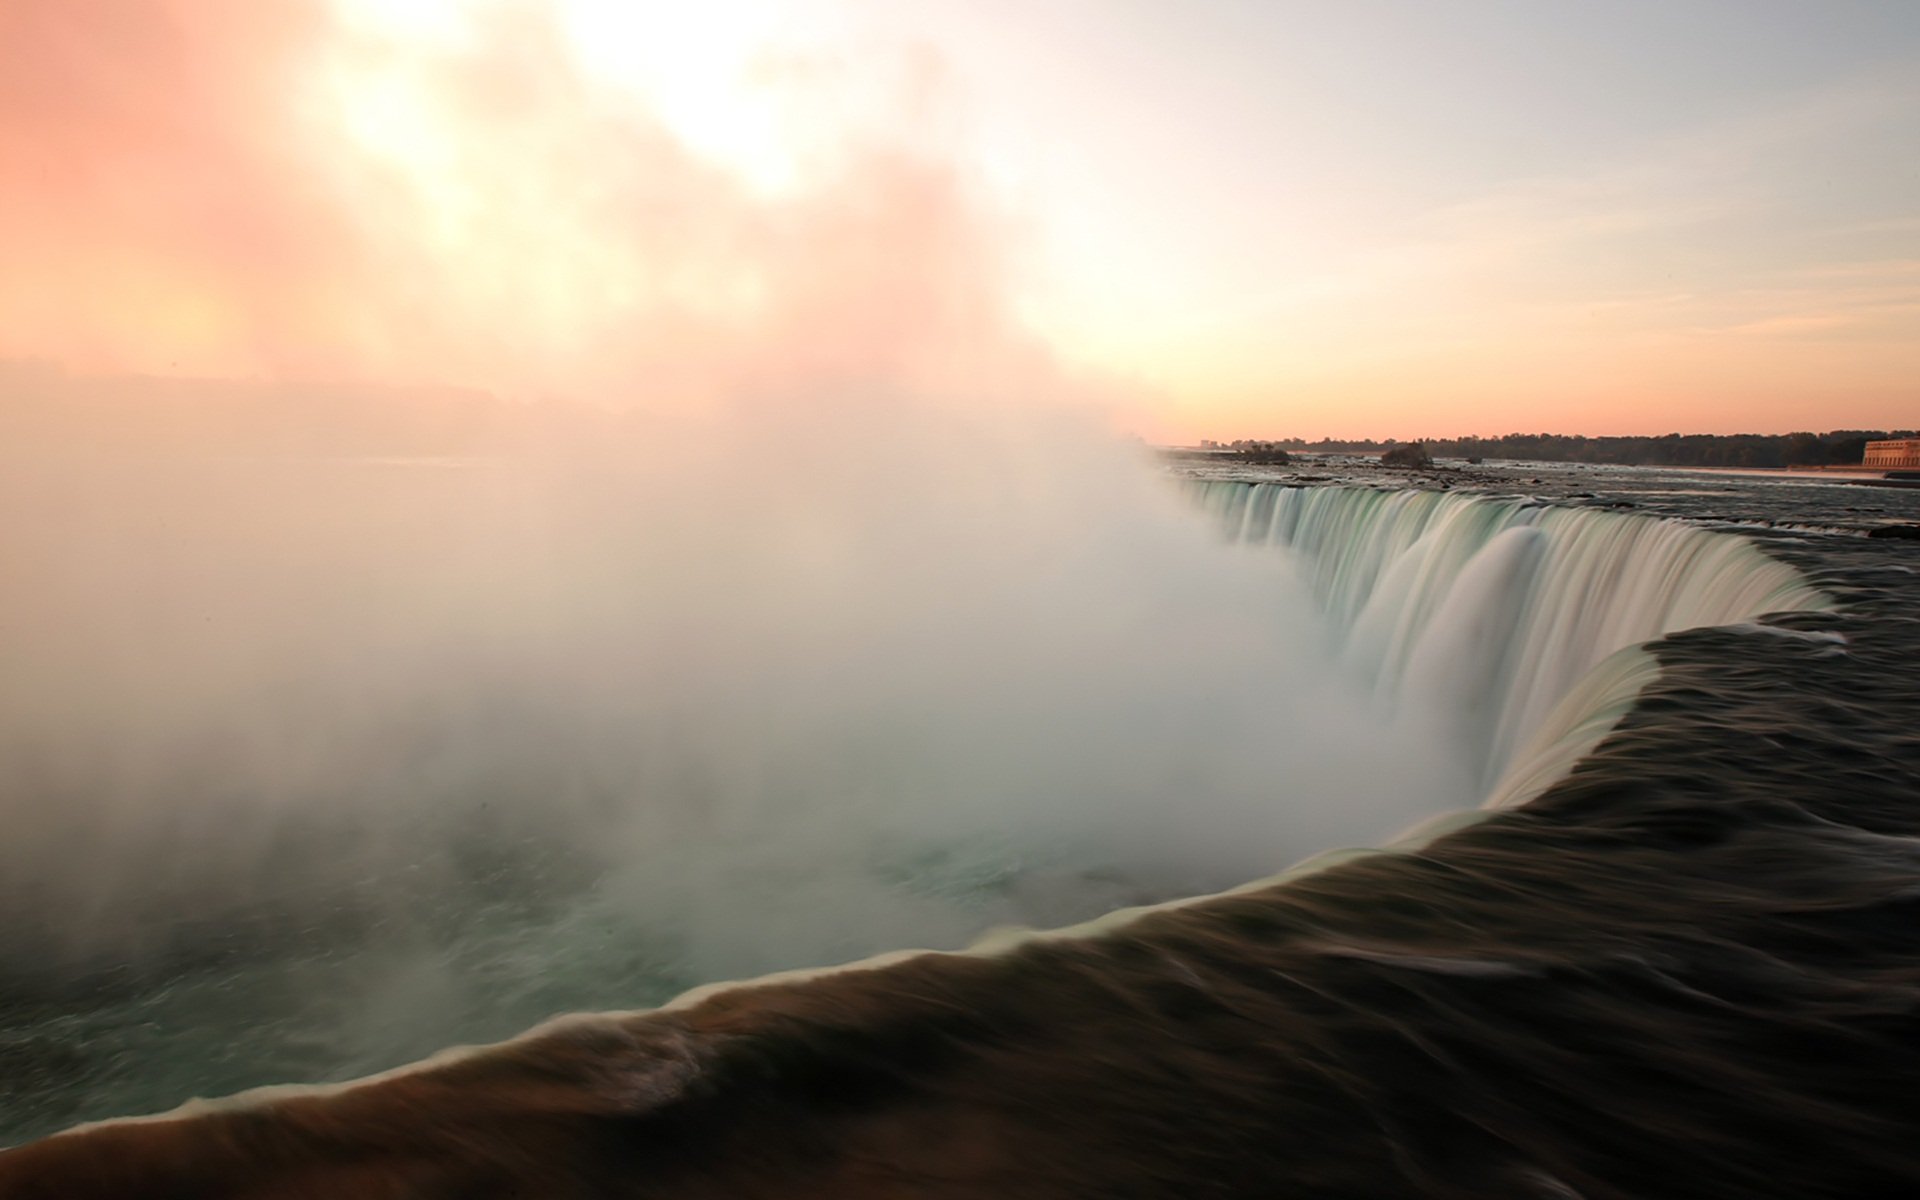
(700, 69)
(704, 71)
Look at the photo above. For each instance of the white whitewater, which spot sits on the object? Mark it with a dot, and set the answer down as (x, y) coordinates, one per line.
(1499, 613)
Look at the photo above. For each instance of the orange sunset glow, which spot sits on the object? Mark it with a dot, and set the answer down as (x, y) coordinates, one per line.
(1230, 220)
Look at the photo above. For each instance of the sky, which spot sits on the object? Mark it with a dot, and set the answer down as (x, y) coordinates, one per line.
(1218, 219)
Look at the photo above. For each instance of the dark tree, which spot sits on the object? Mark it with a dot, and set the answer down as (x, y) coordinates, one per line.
(1413, 454)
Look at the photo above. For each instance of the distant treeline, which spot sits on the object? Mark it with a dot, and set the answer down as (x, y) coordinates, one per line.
(1839, 447)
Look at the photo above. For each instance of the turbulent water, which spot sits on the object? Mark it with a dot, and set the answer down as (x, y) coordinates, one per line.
(1683, 969)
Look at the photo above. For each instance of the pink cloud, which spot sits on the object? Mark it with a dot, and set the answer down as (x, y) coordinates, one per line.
(201, 200)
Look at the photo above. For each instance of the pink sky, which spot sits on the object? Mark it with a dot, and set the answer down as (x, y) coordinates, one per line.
(1216, 223)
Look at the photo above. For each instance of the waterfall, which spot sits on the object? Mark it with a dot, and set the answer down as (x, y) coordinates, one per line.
(509, 773)
(1497, 614)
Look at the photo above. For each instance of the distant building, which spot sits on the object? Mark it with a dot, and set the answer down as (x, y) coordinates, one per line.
(1898, 454)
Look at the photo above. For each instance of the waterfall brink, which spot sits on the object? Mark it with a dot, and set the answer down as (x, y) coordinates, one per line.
(1496, 615)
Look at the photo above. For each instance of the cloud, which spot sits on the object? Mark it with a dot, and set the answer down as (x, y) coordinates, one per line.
(234, 189)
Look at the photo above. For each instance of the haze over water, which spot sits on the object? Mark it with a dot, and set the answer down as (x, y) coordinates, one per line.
(348, 758)
(769, 597)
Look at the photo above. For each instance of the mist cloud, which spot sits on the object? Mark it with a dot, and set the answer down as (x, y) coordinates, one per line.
(767, 597)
